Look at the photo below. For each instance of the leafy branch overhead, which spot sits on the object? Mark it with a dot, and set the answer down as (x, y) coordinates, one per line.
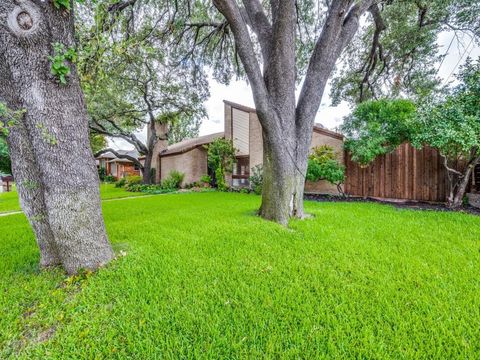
(398, 53)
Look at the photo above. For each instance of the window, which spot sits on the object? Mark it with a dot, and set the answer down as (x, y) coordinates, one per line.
(241, 172)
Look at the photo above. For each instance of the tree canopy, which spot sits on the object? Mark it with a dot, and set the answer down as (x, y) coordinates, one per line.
(377, 127)
(451, 124)
(397, 53)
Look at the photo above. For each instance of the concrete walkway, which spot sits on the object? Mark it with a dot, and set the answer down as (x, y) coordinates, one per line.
(9, 213)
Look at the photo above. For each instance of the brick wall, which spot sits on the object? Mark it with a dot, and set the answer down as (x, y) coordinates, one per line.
(192, 163)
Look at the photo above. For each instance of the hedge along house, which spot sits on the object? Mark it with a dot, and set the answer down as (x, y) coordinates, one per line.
(243, 128)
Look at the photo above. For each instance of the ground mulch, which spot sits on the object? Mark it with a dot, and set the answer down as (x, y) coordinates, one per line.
(400, 204)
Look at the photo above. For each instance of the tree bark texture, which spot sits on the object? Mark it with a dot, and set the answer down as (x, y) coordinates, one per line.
(287, 125)
(457, 191)
(30, 189)
(57, 128)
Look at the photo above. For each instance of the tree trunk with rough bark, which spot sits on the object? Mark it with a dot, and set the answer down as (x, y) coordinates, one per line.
(147, 168)
(287, 125)
(456, 196)
(30, 189)
(57, 128)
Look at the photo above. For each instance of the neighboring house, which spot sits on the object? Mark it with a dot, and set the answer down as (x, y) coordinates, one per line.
(117, 167)
(243, 128)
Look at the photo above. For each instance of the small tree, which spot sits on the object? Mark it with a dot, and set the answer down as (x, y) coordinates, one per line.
(452, 126)
(377, 127)
(221, 157)
(323, 165)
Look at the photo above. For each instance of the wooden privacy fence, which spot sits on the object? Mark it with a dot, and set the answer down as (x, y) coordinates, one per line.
(406, 173)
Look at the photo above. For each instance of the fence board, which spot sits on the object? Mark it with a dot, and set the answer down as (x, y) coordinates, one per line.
(406, 173)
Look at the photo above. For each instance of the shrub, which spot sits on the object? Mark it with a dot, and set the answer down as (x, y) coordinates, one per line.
(148, 189)
(121, 183)
(173, 181)
(323, 165)
(256, 179)
(134, 179)
(102, 173)
(221, 157)
(205, 179)
(109, 179)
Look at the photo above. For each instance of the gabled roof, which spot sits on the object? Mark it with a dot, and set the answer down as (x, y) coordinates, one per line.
(113, 158)
(190, 144)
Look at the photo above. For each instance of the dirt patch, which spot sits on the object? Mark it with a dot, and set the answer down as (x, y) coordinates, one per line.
(45, 335)
(400, 204)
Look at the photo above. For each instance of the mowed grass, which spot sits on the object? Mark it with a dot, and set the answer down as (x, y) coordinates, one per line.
(9, 201)
(203, 277)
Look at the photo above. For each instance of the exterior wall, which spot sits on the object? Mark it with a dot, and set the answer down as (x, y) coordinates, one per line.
(192, 163)
(255, 144)
(228, 121)
(241, 131)
(324, 187)
(123, 169)
(256, 141)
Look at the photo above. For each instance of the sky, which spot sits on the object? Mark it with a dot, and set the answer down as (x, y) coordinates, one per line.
(329, 116)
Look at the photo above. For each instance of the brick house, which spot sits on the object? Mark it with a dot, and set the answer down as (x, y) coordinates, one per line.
(243, 128)
(116, 167)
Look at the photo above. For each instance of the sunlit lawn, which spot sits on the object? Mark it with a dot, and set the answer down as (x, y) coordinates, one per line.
(9, 201)
(203, 277)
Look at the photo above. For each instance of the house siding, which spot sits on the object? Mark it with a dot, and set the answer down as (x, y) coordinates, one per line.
(192, 163)
(256, 141)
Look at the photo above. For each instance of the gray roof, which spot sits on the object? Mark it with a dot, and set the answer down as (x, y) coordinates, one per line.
(189, 144)
(113, 158)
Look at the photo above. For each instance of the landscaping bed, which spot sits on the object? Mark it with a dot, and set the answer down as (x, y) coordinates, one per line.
(399, 204)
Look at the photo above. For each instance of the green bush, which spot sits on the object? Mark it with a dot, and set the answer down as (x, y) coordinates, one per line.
(205, 179)
(148, 189)
(174, 180)
(134, 179)
(221, 158)
(109, 179)
(121, 183)
(102, 173)
(256, 179)
(323, 165)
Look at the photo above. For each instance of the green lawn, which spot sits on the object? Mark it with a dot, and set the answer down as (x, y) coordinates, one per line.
(9, 201)
(203, 277)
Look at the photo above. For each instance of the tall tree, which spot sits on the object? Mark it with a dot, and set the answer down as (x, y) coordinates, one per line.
(277, 43)
(452, 125)
(52, 160)
(132, 81)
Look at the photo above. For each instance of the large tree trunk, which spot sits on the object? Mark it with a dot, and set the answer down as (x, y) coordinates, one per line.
(30, 189)
(147, 169)
(283, 182)
(56, 122)
(456, 197)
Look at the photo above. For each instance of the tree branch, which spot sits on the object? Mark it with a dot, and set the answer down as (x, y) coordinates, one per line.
(341, 25)
(245, 48)
(120, 156)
